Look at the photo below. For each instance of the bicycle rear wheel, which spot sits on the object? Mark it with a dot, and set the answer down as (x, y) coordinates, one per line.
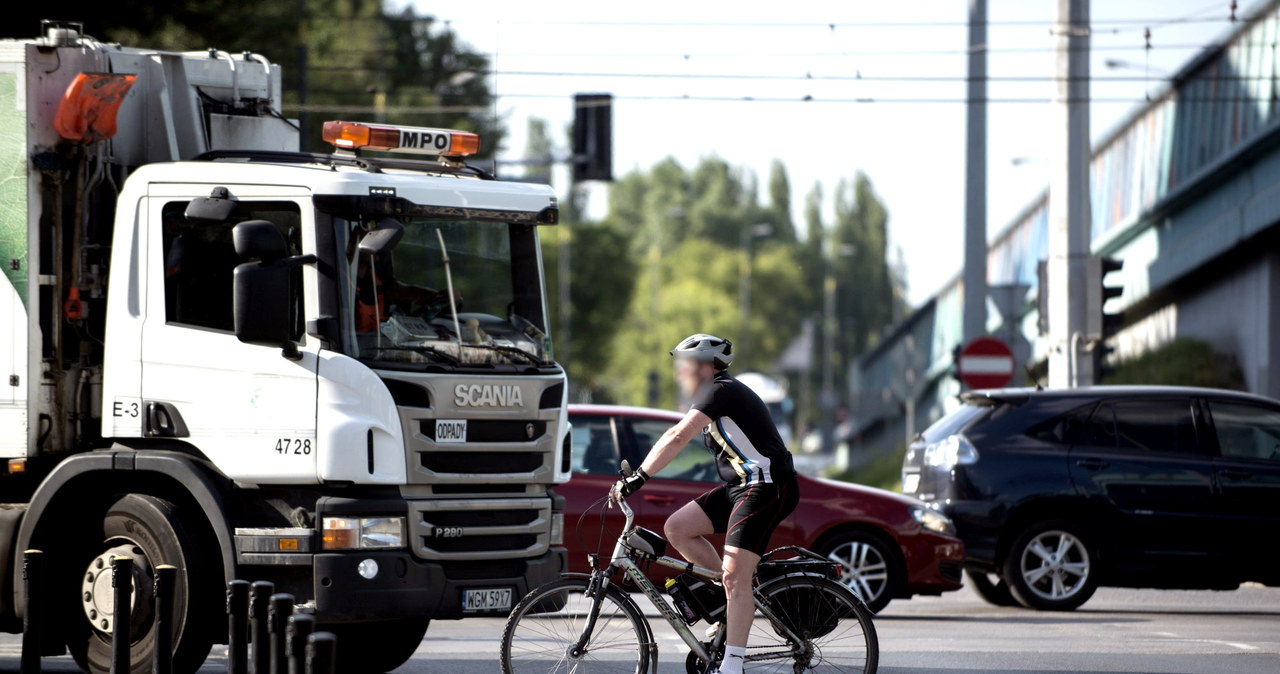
(546, 625)
(834, 627)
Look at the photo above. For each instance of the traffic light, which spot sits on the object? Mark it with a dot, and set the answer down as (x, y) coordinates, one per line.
(592, 137)
(1102, 325)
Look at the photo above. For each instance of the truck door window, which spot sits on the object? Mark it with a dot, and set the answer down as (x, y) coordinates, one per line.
(199, 261)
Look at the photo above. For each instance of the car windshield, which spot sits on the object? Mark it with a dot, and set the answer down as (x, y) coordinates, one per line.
(397, 301)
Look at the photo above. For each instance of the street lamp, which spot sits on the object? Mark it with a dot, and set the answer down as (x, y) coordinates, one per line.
(749, 236)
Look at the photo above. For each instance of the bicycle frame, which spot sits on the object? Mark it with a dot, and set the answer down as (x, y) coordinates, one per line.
(622, 560)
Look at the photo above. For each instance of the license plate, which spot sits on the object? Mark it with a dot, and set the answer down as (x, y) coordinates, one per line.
(486, 600)
(451, 430)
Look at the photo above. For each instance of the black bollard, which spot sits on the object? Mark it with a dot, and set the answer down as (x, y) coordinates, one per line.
(122, 586)
(259, 608)
(238, 627)
(31, 568)
(322, 652)
(166, 586)
(301, 626)
(280, 610)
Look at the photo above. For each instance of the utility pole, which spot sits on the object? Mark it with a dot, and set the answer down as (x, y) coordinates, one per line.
(1069, 216)
(975, 182)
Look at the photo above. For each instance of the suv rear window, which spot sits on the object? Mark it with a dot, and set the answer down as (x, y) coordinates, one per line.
(955, 422)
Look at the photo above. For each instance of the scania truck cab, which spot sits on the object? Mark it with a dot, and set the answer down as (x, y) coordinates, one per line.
(332, 372)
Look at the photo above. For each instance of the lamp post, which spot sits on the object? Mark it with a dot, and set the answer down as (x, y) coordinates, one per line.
(828, 397)
(749, 236)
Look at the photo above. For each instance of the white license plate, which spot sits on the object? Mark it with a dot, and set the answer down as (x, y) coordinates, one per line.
(489, 599)
(451, 430)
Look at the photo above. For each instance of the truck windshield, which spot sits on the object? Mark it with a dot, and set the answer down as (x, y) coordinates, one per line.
(398, 307)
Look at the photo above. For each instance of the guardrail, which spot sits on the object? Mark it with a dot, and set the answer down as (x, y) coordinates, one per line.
(283, 641)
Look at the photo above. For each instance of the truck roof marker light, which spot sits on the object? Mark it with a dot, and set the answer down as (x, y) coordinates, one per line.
(87, 112)
(411, 139)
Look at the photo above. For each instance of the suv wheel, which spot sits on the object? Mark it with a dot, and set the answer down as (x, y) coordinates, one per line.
(991, 588)
(1052, 566)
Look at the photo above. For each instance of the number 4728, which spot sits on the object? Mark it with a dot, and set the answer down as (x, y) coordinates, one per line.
(299, 446)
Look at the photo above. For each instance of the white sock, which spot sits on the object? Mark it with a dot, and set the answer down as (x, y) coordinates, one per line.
(734, 657)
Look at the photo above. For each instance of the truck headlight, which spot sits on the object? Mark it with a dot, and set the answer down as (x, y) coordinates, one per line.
(557, 528)
(933, 521)
(363, 533)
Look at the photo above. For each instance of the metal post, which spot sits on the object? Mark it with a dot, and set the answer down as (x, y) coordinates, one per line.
(1069, 218)
(827, 400)
(32, 582)
(975, 211)
(301, 626)
(122, 590)
(165, 586)
(238, 627)
(280, 610)
(322, 651)
(259, 608)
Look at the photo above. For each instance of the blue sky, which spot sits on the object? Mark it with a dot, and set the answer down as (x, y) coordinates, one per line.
(876, 54)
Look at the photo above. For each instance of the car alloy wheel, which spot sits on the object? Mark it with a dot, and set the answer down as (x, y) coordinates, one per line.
(1055, 565)
(866, 571)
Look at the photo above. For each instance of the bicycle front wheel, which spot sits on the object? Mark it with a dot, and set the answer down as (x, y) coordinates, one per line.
(834, 628)
(544, 629)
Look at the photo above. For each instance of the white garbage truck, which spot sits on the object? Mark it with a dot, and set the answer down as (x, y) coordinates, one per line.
(329, 371)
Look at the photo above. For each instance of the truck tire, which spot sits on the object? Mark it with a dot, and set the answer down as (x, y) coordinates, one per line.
(376, 648)
(1052, 566)
(148, 530)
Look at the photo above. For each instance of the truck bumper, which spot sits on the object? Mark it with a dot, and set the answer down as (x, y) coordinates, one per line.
(407, 587)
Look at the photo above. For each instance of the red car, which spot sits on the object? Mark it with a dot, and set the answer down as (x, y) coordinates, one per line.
(891, 546)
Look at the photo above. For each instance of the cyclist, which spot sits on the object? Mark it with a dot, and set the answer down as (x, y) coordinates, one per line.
(760, 480)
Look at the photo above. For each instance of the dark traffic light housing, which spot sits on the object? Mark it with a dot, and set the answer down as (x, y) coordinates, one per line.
(592, 137)
(1102, 324)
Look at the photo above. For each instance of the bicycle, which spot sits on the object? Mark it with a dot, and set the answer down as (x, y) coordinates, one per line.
(807, 620)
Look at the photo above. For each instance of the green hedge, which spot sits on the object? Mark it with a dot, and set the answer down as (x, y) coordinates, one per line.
(1182, 362)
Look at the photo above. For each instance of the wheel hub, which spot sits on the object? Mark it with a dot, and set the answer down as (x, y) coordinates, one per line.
(865, 570)
(97, 593)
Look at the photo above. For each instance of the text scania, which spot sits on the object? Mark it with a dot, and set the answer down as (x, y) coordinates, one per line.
(487, 395)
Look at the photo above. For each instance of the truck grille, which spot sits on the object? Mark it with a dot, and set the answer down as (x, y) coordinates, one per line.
(481, 529)
(481, 463)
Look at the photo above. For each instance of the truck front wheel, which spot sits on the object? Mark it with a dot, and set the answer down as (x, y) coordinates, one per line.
(149, 531)
(375, 648)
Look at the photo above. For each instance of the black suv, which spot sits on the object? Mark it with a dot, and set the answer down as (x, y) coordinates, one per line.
(1057, 492)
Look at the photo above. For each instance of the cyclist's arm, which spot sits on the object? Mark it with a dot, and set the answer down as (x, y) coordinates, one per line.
(669, 445)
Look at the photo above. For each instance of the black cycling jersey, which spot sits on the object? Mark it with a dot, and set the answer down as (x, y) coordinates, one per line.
(741, 434)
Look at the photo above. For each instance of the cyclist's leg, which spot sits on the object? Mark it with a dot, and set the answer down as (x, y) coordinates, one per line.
(739, 569)
(688, 528)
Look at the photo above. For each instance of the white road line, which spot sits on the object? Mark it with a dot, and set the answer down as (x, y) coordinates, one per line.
(1217, 642)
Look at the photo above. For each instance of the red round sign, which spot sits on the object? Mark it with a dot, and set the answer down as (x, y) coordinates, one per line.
(986, 362)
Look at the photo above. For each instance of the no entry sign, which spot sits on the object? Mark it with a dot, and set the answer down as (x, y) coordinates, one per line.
(986, 362)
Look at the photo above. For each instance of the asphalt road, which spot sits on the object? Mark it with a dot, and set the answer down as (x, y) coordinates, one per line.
(1118, 631)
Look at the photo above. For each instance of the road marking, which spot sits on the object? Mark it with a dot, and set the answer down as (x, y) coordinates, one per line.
(1216, 642)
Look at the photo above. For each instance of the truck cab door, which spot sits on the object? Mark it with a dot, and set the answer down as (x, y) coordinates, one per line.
(247, 408)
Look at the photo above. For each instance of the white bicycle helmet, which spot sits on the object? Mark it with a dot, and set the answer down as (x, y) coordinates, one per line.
(706, 348)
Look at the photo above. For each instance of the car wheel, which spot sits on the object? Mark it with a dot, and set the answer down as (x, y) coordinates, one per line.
(1052, 566)
(374, 648)
(871, 568)
(991, 588)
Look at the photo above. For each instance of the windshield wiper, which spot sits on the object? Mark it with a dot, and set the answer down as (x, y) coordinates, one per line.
(447, 357)
(530, 358)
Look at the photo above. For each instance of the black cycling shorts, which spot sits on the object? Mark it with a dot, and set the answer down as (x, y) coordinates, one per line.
(749, 514)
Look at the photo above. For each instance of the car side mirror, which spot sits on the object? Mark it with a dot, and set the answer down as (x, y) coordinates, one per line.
(382, 238)
(211, 210)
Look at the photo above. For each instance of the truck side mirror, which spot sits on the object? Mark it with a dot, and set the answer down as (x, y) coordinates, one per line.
(261, 298)
(382, 238)
(211, 210)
